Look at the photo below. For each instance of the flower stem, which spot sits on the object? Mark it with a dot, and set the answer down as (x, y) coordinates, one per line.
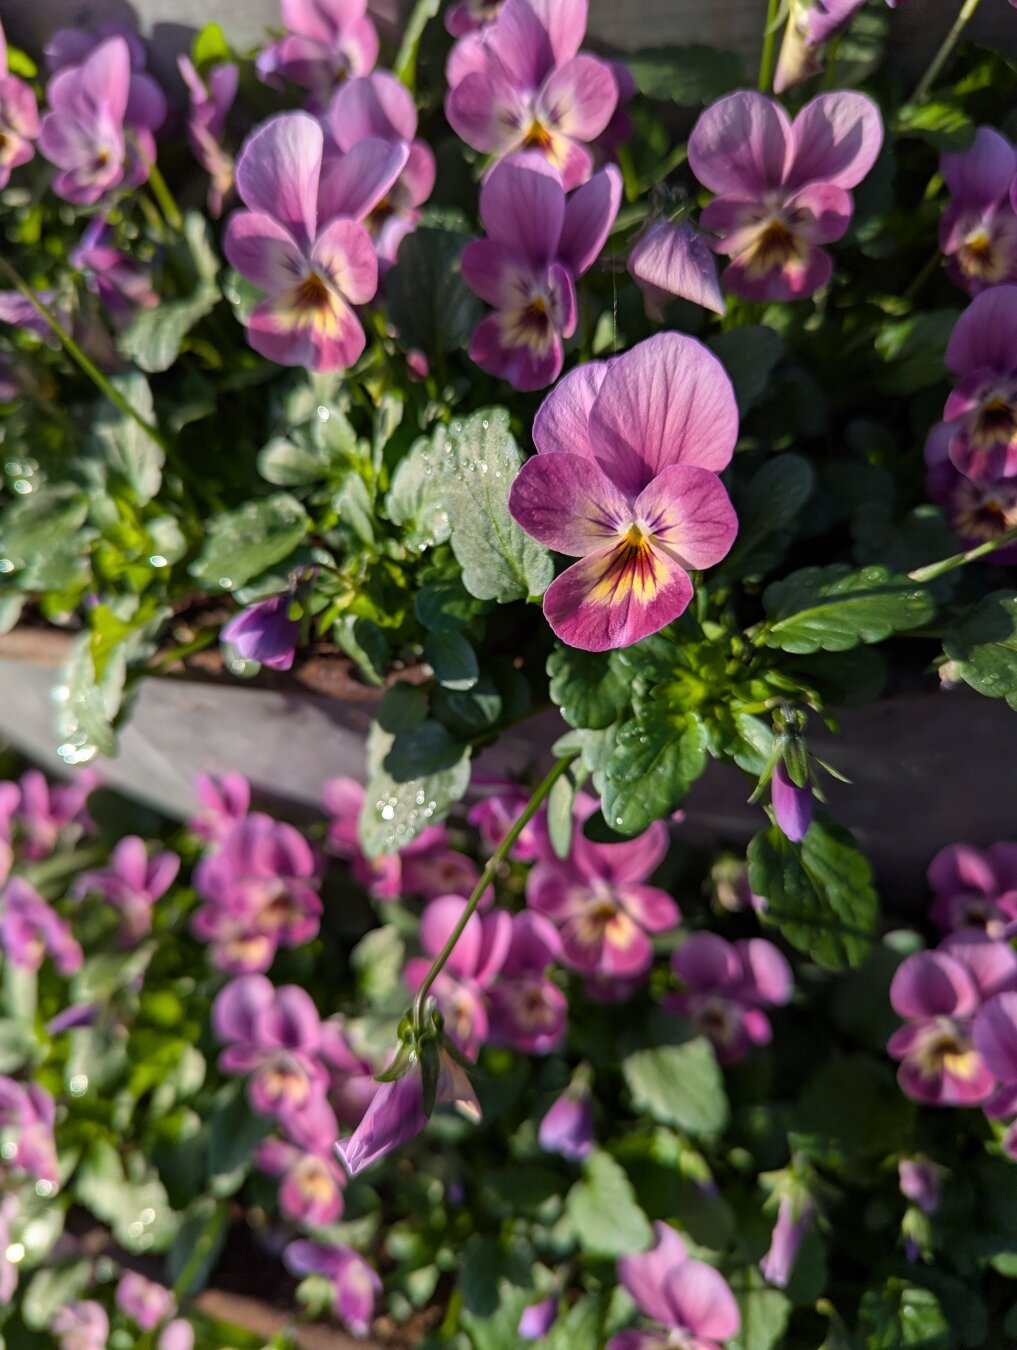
(540, 794)
(160, 190)
(769, 43)
(949, 42)
(406, 61)
(937, 569)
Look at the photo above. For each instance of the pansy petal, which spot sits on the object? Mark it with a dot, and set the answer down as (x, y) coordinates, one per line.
(436, 925)
(522, 205)
(488, 112)
(375, 105)
(344, 252)
(808, 274)
(643, 1275)
(562, 420)
(821, 212)
(579, 98)
(565, 24)
(416, 183)
(589, 214)
(615, 597)
(330, 339)
(568, 503)
(995, 1036)
(985, 335)
(522, 43)
(262, 251)
(668, 401)
(767, 976)
(278, 171)
(706, 962)
(689, 514)
(652, 909)
(929, 984)
(982, 174)
(105, 77)
(676, 259)
(496, 347)
(991, 964)
(835, 139)
(353, 184)
(740, 144)
(240, 1006)
(701, 1301)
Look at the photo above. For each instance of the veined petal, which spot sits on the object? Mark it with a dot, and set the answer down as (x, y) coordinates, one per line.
(834, 139)
(643, 1275)
(522, 205)
(740, 145)
(616, 596)
(589, 214)
(344, 251)
(820, 213)
(375, 105)
(494, 272)
(278, 172)
(323, 336)
(262, 250)
(565, 23)
(353, 184)
(676, 259)
(105, 77)
(522, 43)
(562, 420)
(568, 503)
(488, 112)
(701, 1301)
(985, 335)
(578, 98)
(689, 514)
(930, 984)
(995, 1036)
(981, 175)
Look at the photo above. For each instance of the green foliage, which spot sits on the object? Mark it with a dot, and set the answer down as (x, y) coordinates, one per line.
(691, 76)
(765, 1312)
(679, 1085)
(590, 688)
(983, 646)
(397, 809)
(913, 350)
(240, 544)
(603, 1209)
(657, 756)
(429, 302)
(834, 608)
(750, 356)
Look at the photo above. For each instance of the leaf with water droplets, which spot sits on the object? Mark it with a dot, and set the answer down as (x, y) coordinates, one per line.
(658, 755)
(983, 645)
(240, 544)
(394, 813)
(837, 607)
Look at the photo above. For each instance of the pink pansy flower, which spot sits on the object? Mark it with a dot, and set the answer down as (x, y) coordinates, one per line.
(978, 232)
(132, 883)
(688, 1298)
(974, 888)
(671, 258)
(995, 1040)
(225, 799)
(494, 816)
(45, 811)
(326, 41)
(625, 479)
(782, 186)
(921, 1182)
(467, 16)
(81, 1326)
(518, 84)
(979, 424)
(301, 241)
(978, 510)
(146, 1302)
(31, 930)
(727, 984)
(19, 118)
(527, 1009)
(939, 993)
(810, 25)
(537, 1319)
(210, 102)
(356, 1284)
(272, 1036)
(70, 46)
(311, 1185)
(264, 632)
(461, 987)
(380, 106)
(176, 1335)
(538, 244)
(27, 1115)
(599, 901)
(121, 283)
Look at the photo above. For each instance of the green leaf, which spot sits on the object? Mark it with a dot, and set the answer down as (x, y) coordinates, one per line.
(424, 750)
(234, 1132)
(43, 538)
(394, 812)
(879, 1117)
(819, 893)
(452, 659)
(11, 606)
(239, 544)
(209, 46)
(588, 687)
(354, 506)
(691, 76)
(284, 463)
(129, 452)
(913, 349)
(765, 1312)
(132, 1201)
(378, 960)
(560, 820)
(603, 1210)
(837, 607)
(429, 303)
(679, 1085)
(52, 1289)
(983, 644)
(901, 1315)
(403, 705)
(364, 642)
(478, 1279)
(153, 338)
(197, 1245)
(772, 501)
(941, 125)
(414, 503)
(750, 356)
(86, 707)
(657, 757)
(469, 712)
(445, 606)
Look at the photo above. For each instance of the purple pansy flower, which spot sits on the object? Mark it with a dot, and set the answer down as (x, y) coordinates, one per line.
(995, 1040)
(264, 632)
(146, 1302)
(71, 46)
(31, 930)
(45, 812)
(210, 102)
(726, 987)
(311, 1184)
(301, 241)
(176, 1335)
(10, 798)
(27, 1115)
(117, 279)
(225, 799)
(978, 232)
(626, 481)
(537, 1319)
(467, 16)
(83, 1325)
(380, 106)
(460, 989)
(671, 258)
(792, 805)
(688, 1298)
(598, 899)
(567, 1128)
(538, 243)
(809, 26)
(527, 1009)
(977, 510)
(782, 186)
(327, 41)
(19, 118)
(497, 812)
(794, 1219)
(132, 883)
(921, 1182)
(974, 888)
(356, 1284)
(939, 993)
(519, 84)
(979, 426)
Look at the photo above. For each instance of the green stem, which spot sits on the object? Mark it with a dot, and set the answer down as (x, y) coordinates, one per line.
(406, 62)
(160, 191)
(769, 43)
(667, 166)
(949, 42)
(540, 794)
(207, 1238)
(926, 274)
(937, 569)
(204, 639)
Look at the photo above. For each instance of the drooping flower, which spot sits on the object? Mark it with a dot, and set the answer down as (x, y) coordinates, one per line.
(567, 1128)
(811, 24)
(264, 632)
(727, 985)
(301, 241)
(794, 1219)
(356, 1284)
(974, 888)
(921, 1182)
(19, 118)
(378, 105)
(31, 930)
(519, 84)
(538, 243)
(671, 258)
(144, 1301)
(46, 814)
(939, 993)
(978, 231)
(460, 988)
(82, 1325)
(537, 1319)
(626, 481)
(210, 102)
(688, 1298)
(225, 799)
(782, 186)
(118, 280)
(792, 805)
(311, 1183)
(132, 883)
(598, 899)
(327, 41)
(27, 1115)
(979, 423)
(527, 1009)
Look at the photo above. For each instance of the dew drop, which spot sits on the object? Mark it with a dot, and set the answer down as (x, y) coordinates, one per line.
(78, 1085)
(226, 583)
